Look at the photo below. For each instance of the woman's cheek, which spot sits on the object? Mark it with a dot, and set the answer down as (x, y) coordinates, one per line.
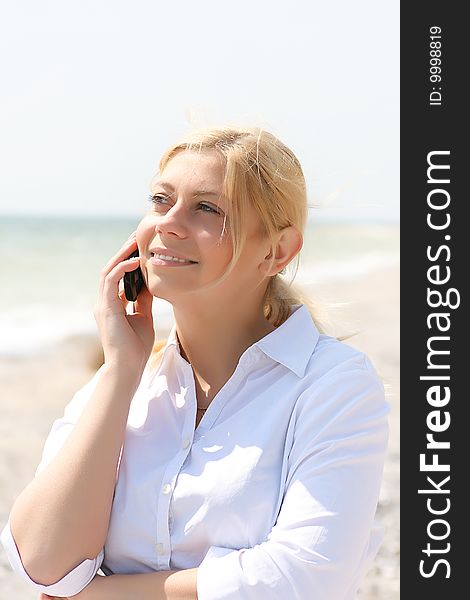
(144, 234)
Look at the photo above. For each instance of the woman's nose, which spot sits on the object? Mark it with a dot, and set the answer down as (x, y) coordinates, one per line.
(173, 221)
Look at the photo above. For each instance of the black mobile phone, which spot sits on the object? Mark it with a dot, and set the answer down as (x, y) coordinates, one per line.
(133, 281)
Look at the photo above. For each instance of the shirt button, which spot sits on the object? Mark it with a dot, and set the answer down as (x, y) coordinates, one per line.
(186, 443)
(166, 488)
(160, 549)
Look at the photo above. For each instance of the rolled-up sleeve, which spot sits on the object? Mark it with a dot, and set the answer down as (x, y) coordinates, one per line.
(324, 536)
(79, 577)
(72, 583)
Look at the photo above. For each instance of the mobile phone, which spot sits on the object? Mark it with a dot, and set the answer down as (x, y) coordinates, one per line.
(133, 281)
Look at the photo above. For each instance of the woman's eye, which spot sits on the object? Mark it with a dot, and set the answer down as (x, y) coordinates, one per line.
(159, 199)
(211, 209)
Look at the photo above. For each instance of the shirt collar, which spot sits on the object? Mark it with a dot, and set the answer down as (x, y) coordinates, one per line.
(291, 344)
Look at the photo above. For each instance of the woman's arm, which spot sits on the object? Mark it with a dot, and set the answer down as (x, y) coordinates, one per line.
(62, 516)
(162, 585)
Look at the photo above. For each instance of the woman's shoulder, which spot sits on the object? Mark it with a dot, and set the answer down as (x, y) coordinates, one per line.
(74, 408)
(155, 359)
(333, 356)
(341, 375)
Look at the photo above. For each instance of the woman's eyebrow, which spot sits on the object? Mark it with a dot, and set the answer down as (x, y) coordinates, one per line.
(196, 193)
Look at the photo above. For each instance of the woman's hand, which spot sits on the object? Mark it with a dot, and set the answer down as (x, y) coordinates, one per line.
(127, 339)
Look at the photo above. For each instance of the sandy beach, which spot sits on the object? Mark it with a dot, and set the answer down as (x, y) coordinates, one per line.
(35, 390)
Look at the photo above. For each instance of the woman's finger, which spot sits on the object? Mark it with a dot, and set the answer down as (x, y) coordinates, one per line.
(111, 296)
(125, 251)
(110, 292)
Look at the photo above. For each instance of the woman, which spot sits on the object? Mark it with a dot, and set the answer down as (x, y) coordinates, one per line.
(240, 460)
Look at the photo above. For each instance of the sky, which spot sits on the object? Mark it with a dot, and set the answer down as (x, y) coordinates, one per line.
(94, 91)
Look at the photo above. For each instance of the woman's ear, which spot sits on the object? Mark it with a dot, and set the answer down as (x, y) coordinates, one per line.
(288, 245)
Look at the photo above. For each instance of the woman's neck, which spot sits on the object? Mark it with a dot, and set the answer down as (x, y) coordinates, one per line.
(214, 346)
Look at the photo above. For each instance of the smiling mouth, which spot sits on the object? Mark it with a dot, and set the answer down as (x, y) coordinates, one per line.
(172, 259)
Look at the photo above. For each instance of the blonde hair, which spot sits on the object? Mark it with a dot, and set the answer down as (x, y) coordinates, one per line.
(262, 172)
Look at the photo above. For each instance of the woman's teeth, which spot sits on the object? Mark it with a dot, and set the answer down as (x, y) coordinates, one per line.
(172, 258)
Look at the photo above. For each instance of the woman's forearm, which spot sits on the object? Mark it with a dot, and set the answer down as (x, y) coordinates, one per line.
(62, 516)
(160, 585)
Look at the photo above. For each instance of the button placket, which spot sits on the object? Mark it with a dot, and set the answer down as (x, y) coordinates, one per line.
(164, 520)
(162, 534)
(163, 546)
(160, 548)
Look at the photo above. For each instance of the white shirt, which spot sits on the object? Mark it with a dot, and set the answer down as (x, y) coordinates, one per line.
(273, 495)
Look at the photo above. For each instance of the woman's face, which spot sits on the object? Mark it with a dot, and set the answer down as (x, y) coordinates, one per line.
(187, 220)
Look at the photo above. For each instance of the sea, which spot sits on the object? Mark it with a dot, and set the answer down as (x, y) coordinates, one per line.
(50, 269)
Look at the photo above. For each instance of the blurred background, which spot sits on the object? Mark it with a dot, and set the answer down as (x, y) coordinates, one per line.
(94, 92)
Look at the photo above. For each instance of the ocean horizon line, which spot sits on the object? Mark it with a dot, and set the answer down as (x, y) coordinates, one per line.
(121, 218)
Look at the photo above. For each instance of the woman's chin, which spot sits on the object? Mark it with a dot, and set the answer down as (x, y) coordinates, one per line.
(165, 292)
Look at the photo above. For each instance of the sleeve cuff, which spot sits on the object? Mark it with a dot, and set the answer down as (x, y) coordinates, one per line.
(245, 574)
(69, 585)
(212, 573)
